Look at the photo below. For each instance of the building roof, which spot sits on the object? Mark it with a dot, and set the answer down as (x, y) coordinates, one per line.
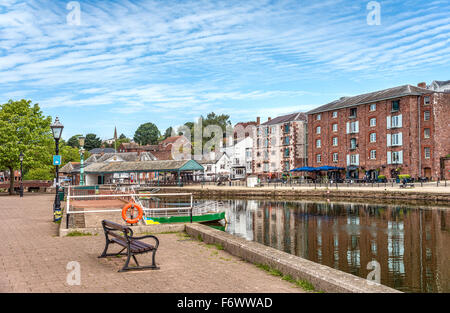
(162, 155)
(143, 166)
(299, 116)
(170, 140)
(133, 145)
(218, 156)
(102, 150)
(440, 85)
(125, 156)
(385, 94)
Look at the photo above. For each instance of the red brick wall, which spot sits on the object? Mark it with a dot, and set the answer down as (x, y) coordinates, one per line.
(439, 141)
(441, 115)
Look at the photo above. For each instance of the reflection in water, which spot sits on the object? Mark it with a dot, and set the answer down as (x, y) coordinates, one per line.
(412, 245)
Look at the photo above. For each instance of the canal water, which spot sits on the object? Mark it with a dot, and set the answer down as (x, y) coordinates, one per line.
(411, 244)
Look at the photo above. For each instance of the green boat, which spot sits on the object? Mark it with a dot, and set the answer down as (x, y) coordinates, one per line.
(212, 217)
(209, 211)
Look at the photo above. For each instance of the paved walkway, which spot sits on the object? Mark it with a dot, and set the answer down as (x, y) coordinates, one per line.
(426, 188)
(34, 259)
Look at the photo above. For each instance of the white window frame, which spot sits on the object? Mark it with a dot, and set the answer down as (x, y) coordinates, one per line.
(319, 117)
(318, 143)
(425, 152)
(373, 122)
(335, 141)
(335, 157)
(373, 154)
(373, 107)
(335, 127)
(354, 159)
(318, 129)
(397, 157)
(425, 133)
(395, 139)
(335, 114)
(373, 137)
(396, 121)
(424, 115)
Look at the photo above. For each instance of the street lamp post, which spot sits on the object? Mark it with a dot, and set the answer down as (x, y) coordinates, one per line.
(81, 140)
(21, 174)
(57, 129)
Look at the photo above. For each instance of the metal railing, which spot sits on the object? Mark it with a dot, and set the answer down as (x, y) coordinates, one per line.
(163, 211)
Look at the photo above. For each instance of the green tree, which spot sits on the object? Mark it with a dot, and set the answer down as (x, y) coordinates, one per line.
(92, 142)
(71, 154)
(23, 128)
(147, 134)
(223, 121)
(73, 141)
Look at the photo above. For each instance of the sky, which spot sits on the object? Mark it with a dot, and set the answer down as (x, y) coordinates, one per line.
(124, 63)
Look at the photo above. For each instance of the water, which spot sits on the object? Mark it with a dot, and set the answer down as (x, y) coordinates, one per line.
(411, 244)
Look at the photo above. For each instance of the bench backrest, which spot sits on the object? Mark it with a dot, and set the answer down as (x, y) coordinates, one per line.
(109, 228)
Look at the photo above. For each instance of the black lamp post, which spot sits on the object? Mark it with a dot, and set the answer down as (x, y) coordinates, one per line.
(57, 129)
(21, 174)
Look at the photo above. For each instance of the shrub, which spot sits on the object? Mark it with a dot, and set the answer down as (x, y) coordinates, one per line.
(381, 176)
(404, 176)
(39, 174)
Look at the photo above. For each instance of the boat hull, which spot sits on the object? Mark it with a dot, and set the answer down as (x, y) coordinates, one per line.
(186, 219)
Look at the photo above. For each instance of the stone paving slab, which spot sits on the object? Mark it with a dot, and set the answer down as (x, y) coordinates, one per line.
(33, 258)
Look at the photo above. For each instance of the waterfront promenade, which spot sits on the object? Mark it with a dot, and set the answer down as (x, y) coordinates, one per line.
(428, 194)
(34, 259)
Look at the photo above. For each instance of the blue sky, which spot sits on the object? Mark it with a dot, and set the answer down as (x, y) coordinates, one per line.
(168, 62)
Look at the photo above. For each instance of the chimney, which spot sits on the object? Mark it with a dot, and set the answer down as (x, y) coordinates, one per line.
(258, 120)
(422, 85)
(269, 118)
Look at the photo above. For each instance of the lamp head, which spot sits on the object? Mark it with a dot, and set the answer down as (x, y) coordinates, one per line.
(57, 129)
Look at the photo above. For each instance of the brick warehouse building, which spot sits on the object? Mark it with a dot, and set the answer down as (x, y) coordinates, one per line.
(279, 145)
(400, 130)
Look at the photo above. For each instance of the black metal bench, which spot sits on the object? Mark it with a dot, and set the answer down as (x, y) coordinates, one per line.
(407, 185)
(132, 244)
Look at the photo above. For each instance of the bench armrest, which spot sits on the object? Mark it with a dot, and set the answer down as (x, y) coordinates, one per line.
(147, 236)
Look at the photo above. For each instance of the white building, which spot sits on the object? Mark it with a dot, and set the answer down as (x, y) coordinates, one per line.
(216, 166)
(241, 158)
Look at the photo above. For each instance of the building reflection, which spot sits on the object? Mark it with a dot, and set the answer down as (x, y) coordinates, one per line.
(412, 245)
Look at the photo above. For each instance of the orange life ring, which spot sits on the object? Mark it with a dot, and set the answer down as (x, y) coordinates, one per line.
(132, 205)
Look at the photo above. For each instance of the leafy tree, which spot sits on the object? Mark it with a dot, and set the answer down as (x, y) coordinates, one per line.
(147, 134)
(23, 128)
(167, 133)
(92, 142)
(42, 173)
(122, 136)
(73, 141)
(70, 154)
(223, 121)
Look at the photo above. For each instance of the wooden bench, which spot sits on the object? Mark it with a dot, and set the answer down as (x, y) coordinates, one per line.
(132, 244)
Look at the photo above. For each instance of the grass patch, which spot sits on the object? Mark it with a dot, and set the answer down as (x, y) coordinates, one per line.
(169, 232)
(270, 270)
(305, 285)
(77, 234)
(218, 246)
(199, 238)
